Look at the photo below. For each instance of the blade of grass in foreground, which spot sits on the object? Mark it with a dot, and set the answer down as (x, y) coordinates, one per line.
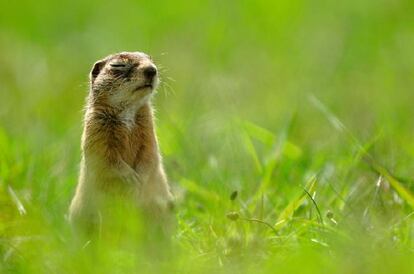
(275, 145)
(397, 185)
(294, 204)
(200, 191)
(402, 191)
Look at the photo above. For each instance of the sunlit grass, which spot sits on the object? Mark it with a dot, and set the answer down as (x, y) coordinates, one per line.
(286, 130)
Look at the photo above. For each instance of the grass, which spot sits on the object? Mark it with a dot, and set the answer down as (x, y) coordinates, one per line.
(286, 130)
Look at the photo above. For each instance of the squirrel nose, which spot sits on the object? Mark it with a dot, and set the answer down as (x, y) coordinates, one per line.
(150, 72)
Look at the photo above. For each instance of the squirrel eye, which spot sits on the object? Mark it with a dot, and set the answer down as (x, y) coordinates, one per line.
(118, 65)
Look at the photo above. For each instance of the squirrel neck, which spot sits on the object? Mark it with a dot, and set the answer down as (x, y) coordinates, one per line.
(130, 113)
(105, 126)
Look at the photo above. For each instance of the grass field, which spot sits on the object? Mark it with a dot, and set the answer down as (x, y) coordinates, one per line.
(286, 129)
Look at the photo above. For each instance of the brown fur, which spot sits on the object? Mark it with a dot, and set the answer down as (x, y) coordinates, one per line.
(120, 155)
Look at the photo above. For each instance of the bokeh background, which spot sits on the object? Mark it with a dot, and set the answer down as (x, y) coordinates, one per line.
(260, 97)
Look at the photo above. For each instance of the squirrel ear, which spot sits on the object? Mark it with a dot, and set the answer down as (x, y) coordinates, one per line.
(96, 70)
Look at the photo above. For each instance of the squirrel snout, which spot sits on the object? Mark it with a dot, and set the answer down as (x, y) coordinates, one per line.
(150, 72)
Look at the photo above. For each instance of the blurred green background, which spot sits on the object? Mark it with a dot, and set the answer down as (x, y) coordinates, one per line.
(266, 98)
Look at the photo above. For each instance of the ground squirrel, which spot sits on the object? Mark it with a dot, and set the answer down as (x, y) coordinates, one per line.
(120, 154)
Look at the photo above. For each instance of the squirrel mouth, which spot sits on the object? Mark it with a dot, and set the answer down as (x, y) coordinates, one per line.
(146, 86)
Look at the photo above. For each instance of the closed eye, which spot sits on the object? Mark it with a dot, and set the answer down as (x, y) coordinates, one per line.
(118, 65)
